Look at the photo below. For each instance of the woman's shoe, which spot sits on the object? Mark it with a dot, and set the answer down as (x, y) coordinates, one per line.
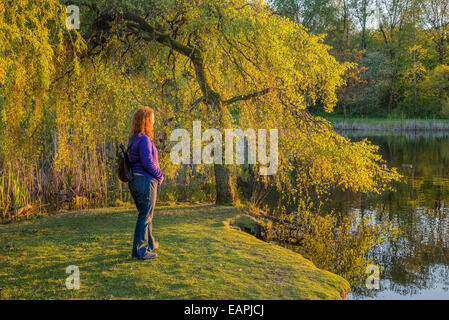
(148, 256)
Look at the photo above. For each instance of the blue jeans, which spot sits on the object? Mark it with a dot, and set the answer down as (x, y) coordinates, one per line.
(143, 191)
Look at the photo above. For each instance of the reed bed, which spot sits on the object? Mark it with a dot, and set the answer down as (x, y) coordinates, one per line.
(388, 125)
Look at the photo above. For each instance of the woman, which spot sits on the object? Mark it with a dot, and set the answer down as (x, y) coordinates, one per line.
(147, 176)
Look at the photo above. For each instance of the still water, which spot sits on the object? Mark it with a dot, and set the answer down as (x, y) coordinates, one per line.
(416, 266)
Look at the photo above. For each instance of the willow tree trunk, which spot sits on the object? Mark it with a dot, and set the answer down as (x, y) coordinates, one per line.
(224, 184)
(225, 190)
(224, 187)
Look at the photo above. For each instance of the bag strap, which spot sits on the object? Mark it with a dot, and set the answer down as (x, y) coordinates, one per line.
(127, 149)
(122, 147)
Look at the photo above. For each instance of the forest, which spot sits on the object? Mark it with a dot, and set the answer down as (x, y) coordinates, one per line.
(400, 47)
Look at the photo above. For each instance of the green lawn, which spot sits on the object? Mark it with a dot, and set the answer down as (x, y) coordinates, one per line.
(200, 257)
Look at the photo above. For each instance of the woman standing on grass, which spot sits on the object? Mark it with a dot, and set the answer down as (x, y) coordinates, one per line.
(147, 176)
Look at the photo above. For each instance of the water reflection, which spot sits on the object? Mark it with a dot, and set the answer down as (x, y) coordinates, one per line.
(416, 266)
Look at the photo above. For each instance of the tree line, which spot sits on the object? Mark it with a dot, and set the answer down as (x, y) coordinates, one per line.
(400, 46)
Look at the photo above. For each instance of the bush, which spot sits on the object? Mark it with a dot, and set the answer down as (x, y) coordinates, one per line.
(445, 107)
(195, 191)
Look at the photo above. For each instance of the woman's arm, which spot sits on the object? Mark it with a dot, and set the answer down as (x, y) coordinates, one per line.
(148, 162)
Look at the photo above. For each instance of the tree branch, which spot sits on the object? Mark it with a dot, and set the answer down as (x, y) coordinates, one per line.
(246, 96)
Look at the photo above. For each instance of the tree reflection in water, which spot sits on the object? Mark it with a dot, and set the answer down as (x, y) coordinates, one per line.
(417, 264)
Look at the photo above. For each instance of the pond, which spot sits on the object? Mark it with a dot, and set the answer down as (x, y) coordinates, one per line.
(416, 266)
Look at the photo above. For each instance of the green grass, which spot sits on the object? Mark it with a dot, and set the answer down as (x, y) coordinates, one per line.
(200, 257)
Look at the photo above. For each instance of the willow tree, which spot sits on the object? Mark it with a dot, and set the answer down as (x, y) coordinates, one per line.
(239, 56)
(31, 37)
(57, 112)
(228, 63)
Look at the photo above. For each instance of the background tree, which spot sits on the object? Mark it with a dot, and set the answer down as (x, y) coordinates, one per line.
(362, 12)
(436, 14)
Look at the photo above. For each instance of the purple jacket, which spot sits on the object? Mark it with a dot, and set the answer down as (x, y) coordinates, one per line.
(143, 157)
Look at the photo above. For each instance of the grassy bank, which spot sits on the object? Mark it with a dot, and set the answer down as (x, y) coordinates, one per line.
(389, 124)
(201, 257)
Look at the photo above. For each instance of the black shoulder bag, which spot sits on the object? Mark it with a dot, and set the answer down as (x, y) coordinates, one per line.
(125, 173)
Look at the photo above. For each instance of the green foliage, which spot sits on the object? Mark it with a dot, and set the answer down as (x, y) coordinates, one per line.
(436, 90)
(403, 41)
(445, 107)
(13, 196)
(195, 191)
(120, 203)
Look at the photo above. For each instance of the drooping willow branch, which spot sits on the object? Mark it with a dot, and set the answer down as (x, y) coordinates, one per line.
(148, 32)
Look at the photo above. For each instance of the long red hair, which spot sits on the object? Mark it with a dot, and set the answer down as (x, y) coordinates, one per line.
(143, 122)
